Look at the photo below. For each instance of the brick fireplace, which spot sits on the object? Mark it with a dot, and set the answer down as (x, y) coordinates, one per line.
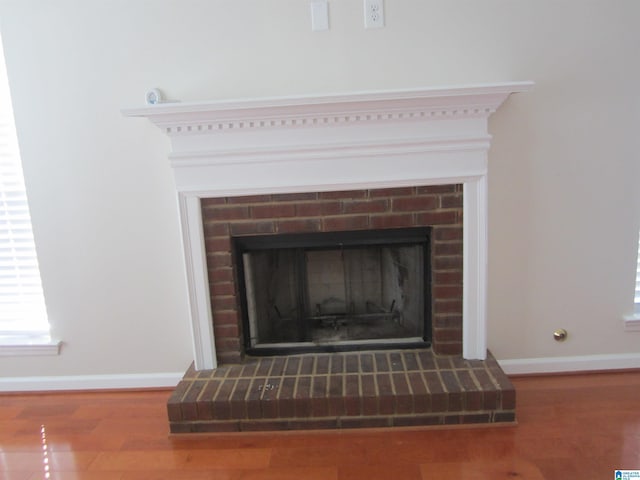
(372, 160)
(437, 206)
(361, 141)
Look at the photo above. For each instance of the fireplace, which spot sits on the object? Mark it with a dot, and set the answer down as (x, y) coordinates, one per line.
(288, 260)
(305, 217)
(335, 291)
(227, 153)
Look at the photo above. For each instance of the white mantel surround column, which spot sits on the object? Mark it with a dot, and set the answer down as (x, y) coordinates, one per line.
(327, 143)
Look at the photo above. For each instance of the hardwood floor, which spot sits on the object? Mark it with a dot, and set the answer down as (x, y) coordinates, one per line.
(581, 426)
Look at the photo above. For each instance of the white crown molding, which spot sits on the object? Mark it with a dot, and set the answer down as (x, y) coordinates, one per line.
(333, 142)
(90, 382)
(580, 363)
(207, 117)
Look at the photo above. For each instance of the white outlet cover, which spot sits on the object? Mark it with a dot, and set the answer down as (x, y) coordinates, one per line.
(319, 15)
(374, 13)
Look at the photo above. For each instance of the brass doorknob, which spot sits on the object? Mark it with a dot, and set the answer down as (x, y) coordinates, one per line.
(560, 335)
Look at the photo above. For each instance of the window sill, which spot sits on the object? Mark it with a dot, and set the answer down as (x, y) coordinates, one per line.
(632, 322)
(18, 347)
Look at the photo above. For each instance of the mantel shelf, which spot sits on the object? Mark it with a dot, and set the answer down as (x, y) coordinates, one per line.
(414, 104)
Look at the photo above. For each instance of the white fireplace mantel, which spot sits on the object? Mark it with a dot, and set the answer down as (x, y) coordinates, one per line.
(333, 142)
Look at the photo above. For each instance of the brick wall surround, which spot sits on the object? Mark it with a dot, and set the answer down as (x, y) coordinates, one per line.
(437, 206)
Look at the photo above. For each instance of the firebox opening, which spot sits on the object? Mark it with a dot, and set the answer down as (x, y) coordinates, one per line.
(335, 291)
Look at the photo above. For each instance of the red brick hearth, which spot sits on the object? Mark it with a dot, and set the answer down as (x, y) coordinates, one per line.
(342, 390)
(439, 207)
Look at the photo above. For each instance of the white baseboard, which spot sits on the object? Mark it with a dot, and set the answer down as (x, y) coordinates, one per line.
(517, 366)
(90, 382)
(583, 363)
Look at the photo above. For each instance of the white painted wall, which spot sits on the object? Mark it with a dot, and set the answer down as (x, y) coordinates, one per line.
(564, 213)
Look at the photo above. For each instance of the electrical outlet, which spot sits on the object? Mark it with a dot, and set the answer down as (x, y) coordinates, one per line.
(373, 13)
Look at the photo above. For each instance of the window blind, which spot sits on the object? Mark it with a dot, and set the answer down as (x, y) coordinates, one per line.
(637, 296)
(22, 308)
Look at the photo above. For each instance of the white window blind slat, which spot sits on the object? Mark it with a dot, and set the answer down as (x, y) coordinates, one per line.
(637, 296)
(22, 308)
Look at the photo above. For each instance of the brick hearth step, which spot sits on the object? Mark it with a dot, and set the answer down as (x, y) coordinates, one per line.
(342, 390)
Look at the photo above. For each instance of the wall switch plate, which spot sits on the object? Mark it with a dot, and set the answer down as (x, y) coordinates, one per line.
(373, 13)
(319, 15)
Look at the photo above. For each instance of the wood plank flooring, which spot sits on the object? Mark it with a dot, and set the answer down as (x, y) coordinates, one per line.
(581, 426)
